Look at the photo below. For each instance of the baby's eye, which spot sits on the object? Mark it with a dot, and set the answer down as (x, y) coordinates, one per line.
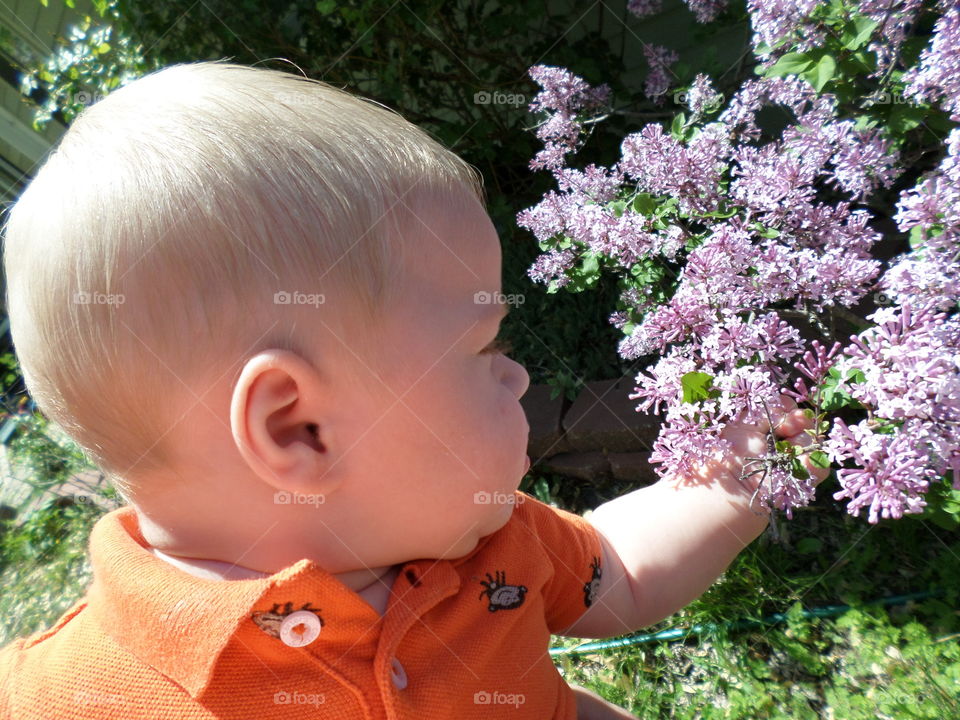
(497, 346)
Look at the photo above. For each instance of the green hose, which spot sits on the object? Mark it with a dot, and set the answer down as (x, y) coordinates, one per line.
(682, 633)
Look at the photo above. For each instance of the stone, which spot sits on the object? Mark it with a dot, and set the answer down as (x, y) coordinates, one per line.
(632, 467)
(583, 466)
(604, 418)
(544, 415)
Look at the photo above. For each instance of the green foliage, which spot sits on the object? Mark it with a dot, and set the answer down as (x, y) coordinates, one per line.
(696, 386)
(457, 69)
(44, 568)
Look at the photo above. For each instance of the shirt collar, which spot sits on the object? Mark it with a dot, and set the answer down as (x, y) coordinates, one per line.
(180, 624)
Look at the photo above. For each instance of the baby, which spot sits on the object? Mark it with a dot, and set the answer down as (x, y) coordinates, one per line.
(261, 305)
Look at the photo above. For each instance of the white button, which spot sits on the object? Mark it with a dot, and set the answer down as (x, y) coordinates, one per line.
(398, 674)
(299, 628)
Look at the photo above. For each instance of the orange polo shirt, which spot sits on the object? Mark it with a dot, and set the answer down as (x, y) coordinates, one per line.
(464, 638)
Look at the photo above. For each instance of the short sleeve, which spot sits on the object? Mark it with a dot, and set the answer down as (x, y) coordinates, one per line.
(572, 547)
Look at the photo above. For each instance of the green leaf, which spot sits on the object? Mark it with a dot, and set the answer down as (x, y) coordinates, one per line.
(676, 128)
(325, 7)
(822, 72)
(101, 49)
(916, 236)
(808, 546)
(904, 118)
(785, 446)
(591, 264)
(863, 28)
(818, 458)
(696, 386)
(721, 214)
(618, 206)
(799, 470)
(644, 204)
(793, 63)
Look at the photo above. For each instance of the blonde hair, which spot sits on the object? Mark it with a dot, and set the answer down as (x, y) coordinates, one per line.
(149, 248)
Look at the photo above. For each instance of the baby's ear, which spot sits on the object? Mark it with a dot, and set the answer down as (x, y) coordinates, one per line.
(277, 424)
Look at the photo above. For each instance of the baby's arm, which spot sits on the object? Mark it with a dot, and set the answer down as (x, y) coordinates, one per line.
(665, 544)
(591, 706)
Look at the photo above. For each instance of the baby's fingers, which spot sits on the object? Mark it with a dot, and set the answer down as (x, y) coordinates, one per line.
(803, 440)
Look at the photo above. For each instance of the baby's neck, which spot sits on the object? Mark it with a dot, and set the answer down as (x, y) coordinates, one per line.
(361, 580)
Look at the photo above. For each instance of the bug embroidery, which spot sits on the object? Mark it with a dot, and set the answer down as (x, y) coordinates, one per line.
(593, 584)
(270, 621)
(501, 595)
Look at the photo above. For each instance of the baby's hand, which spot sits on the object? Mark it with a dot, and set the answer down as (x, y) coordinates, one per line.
(750, 440)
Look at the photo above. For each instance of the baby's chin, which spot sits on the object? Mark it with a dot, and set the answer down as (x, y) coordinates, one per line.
(496, 519)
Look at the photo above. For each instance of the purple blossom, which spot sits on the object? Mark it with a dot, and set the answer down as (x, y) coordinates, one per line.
(564, 96)
(776, 20)
(745, 221)
(662, 165)
(892, 476)
(815, 365)
(704, 10)
(659, 79)
(644, 8)
(702, 96)
(894, 23)
(707, 10)
(938, 75)
(552, 266)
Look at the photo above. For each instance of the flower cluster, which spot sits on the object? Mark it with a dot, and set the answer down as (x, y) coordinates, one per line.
(734, 236)
(564, 97)
(659, 80)
(703, 10)
(938, 75)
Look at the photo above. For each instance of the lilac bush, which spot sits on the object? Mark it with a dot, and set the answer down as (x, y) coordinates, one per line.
(738, 251)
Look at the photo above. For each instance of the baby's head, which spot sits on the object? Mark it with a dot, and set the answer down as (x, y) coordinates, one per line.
(255, 301)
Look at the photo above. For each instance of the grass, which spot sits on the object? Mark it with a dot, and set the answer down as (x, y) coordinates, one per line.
(871, 662)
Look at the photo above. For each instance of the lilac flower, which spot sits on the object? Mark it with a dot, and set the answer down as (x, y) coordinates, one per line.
(938, 75)
(863, 160)
(552, 267)
(644, 8)
(689, 440)
(894, 23)
(564, 96)
(892, 475)
(704, 10)
(746, 222)
(659, 79)
(702, 96)
(776, 20)
(815, 365)
(707, 10)
(661, 165)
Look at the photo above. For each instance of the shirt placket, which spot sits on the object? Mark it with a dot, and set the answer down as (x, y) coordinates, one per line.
(420, 586)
